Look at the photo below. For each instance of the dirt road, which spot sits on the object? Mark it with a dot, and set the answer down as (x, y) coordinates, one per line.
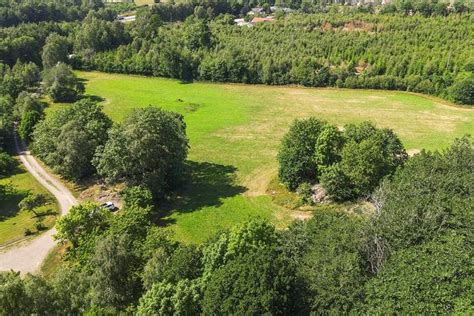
(28, 256)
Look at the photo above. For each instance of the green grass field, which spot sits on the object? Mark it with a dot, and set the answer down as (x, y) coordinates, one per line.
(14, 221)
(235, 131)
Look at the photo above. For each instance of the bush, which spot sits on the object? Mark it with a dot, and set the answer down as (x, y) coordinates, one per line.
(305, 191)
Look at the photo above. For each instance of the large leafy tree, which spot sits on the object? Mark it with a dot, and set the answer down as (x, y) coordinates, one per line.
(260, 282)
(115, 283)
(148, 148)
(62, 84)
(182, 298)
(297, 153)
(67, 139)
(436, 277)
(430, 195)
(82, 224)
(55, 50)
(333, 266)
(462, 92)
(368, 155)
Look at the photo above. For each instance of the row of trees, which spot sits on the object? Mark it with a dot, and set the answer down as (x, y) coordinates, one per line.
(419, 239)
(353, 51)
(148, 148)
(349, 164)
(349, 49)
(15, 12)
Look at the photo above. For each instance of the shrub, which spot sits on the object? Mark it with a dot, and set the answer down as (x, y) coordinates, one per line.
(305, 191)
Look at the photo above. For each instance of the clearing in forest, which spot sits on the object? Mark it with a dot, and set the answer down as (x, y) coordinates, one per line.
(235, 131)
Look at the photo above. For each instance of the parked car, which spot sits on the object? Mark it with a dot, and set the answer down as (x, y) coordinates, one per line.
(110, 206)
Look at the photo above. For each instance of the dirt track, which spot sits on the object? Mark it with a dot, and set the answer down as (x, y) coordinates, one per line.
(27, 256)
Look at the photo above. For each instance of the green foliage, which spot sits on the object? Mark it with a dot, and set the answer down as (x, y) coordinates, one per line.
(62, 84)
(305, 191)
(147, 149)
(436, 277)
(114, 280)
(7, 164)
(462, 92)
(431, 194)
(344, 47)
(337, 183)
(333, 267)
(55, 50)
(137, 196)
(13, 297)
(182, 298)
(328, 146)
(28, 123)
(259, 282)
(82, 223)
(349, 165)
(18, 78)
(253, 235)
(368, 155)
(297, 153)
(67, 139)
(26, 102)
(33, 201)
(183, 263)
(96, 35)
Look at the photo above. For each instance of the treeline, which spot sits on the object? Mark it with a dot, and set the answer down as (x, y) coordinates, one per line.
(354, 51)
(413, 255)
(14, 12)
(199, 41)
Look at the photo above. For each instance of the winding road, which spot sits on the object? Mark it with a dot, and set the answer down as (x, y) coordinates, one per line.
(27, 256)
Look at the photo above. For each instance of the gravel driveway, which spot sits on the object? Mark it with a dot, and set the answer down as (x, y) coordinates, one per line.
(27, 256)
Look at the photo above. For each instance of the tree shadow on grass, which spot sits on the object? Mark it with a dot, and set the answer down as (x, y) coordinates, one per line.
(207, 185)
(9, 203)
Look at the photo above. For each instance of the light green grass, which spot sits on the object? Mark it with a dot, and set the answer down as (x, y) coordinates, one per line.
(13, 221)
(238, 128)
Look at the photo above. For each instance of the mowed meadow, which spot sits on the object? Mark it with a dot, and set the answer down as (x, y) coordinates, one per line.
(235, 131)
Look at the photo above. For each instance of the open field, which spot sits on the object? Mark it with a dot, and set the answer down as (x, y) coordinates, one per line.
(14, 221)
(235, 131)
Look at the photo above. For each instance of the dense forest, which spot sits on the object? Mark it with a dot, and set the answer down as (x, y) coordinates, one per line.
(412, 254)
(331, 49)
(426, 49)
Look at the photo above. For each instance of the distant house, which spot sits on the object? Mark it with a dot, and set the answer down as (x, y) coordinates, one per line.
(262, 20)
